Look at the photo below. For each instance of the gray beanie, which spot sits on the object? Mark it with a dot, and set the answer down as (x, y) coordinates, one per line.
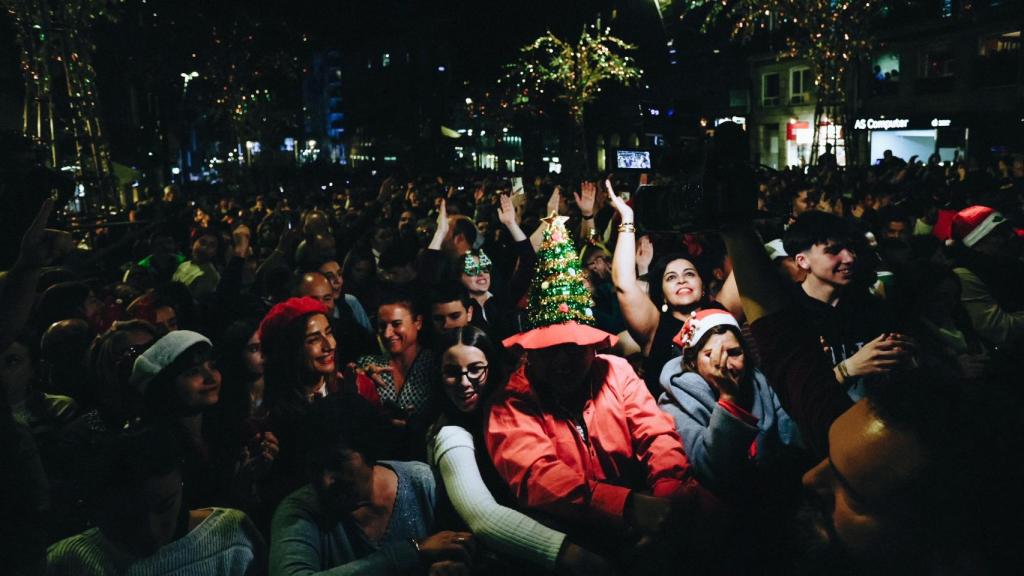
(161, 354)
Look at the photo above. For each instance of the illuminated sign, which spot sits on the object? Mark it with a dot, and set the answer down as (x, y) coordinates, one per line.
(941, 122)
(881, 123)
(742, 121)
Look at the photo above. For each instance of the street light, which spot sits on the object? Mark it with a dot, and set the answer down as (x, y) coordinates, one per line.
(188, 77)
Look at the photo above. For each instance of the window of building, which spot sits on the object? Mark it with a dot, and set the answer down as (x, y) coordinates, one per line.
(800, 83)
(999, 44)
(770, 91)
(886, 67)
(385, 60)
(937, 63)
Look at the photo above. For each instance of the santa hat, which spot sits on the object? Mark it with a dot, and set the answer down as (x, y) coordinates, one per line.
(973, 223)
(162, 354)
(284, 313)
(698, 324)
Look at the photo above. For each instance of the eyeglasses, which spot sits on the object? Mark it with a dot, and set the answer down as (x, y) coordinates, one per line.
(476, 270)
(475, 373)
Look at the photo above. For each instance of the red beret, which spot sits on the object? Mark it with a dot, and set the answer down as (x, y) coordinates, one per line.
(284, 313)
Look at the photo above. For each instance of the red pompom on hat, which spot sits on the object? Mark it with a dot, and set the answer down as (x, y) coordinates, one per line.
(973, 223)
(698, 324)
(284, 313)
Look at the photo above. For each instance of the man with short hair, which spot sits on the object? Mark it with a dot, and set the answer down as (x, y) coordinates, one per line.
(888, 498)
(451, 307)
(853, 326)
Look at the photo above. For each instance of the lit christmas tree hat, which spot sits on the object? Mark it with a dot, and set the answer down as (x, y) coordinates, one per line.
(560, 308)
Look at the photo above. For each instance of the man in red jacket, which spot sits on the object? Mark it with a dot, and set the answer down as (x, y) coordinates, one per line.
(576, 434)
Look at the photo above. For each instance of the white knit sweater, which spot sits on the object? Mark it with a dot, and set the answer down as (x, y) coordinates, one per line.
(226, 542)
(503, 529)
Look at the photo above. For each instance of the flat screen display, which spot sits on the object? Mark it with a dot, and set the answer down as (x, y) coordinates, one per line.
(633, 159)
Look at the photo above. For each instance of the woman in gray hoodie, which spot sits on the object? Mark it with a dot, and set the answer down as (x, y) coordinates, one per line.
(730, 420)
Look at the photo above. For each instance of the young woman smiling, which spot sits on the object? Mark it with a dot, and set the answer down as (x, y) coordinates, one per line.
(471, 369)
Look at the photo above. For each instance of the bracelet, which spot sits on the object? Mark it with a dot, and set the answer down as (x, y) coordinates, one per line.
(416, 543)
(627, 228)
(591, 217)
(843, 370)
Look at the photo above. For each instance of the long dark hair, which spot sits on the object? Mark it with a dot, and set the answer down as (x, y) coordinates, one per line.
(496, 374)
(284, 367)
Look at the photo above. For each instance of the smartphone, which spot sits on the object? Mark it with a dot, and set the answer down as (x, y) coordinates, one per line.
(517, 186)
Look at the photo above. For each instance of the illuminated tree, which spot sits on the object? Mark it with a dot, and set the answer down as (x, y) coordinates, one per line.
(61, 108)
(573, 72)
(834, 36)
(243, 74)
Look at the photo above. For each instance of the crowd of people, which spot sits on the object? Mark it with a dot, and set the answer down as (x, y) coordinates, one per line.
(440, 375)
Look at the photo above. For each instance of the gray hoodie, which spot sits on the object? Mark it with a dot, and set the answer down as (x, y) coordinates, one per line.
(718, 443)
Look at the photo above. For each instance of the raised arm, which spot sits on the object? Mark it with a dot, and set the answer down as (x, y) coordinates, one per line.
(638, 311)
(585, 200)
(39, 246)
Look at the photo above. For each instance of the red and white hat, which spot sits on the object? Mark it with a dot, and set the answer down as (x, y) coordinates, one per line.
(698, 324)
(973, 223)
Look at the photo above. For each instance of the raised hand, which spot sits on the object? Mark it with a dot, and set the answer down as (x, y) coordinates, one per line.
(555, 200)
(41, 245)
(442, 227)
(586, 198)
(644, 255)
(625, 212)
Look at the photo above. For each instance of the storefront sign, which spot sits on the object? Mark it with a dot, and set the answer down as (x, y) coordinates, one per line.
(941, 122)
(881, 124)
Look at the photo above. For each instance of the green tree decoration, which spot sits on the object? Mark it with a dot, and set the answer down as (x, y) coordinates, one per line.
(557, 294)
(832, 35)
(573, 71)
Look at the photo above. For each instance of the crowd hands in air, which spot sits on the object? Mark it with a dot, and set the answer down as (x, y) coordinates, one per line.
(822, 378)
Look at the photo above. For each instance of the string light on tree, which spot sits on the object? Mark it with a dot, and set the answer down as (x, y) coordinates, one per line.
(558, 294)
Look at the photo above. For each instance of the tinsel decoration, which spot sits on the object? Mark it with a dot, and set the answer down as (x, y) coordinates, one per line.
(557, 294)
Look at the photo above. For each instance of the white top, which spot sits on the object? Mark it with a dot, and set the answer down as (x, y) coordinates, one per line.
(505, 530)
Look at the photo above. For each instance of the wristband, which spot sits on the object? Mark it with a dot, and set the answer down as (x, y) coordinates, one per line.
(591, 217)
(627, 228)
(843, 370)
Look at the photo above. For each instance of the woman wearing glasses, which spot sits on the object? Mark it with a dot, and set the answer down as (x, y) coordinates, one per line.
(470, 370)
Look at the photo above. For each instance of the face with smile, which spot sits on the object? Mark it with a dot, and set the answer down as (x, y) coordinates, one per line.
(480, 282)
(318, 345)
(681, 284)
(397, 327)
(464, 375)
(831, 263)
(859, 487)
(199, 385)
